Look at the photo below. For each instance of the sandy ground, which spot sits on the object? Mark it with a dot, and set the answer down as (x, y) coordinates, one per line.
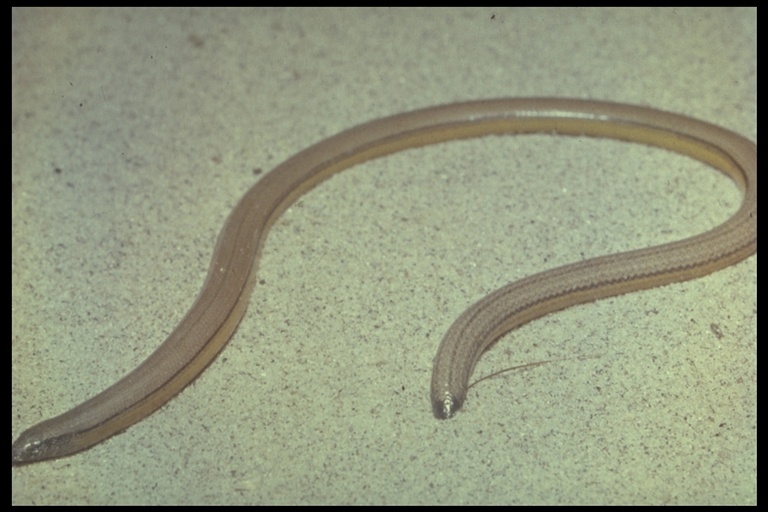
(134, 132)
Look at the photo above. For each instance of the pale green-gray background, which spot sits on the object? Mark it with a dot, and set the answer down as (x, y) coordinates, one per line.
(156, 120)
